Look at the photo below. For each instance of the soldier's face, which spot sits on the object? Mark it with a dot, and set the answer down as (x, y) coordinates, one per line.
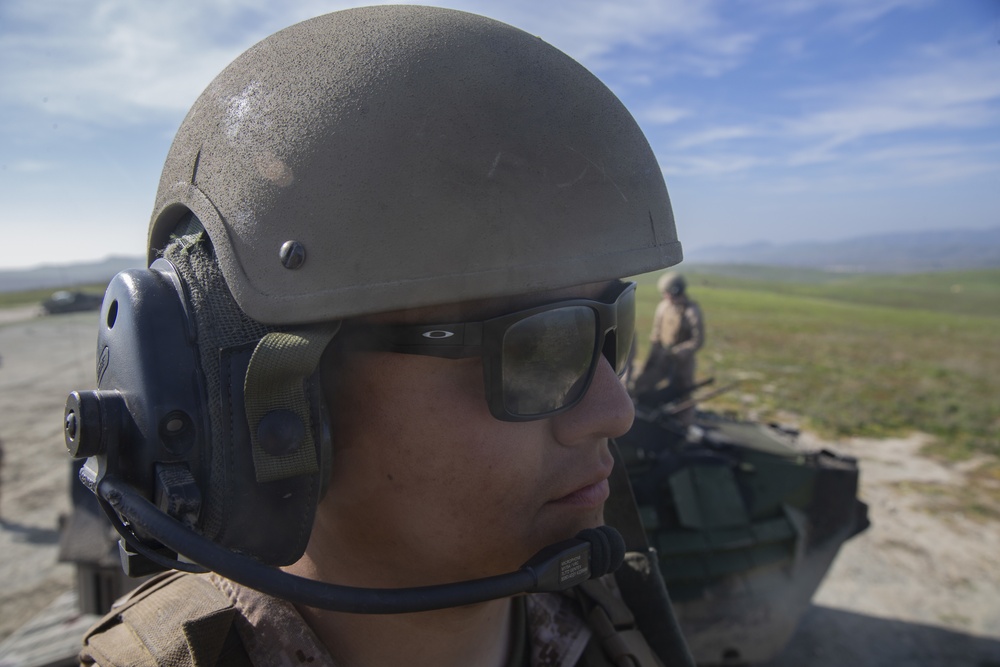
(429, 487)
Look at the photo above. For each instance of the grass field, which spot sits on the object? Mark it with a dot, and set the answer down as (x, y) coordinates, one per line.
(853, 355)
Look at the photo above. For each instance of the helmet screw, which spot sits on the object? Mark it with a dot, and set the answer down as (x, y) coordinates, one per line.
(293, 255)
(70, 425)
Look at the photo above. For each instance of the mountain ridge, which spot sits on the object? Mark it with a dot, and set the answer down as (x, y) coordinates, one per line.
(904, 252)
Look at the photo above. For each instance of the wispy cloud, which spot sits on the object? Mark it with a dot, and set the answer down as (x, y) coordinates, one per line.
(30, 166)
(933, 164)
(719, 134)
(664, 115)
(948, 95)
(115, 61)
(920, 114)
(841, 14)
(716, 164)
(639, 41)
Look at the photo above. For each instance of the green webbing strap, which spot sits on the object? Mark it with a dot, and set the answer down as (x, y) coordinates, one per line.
(275, 379)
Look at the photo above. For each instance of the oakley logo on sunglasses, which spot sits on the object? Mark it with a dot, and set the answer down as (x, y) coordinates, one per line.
(438, 333)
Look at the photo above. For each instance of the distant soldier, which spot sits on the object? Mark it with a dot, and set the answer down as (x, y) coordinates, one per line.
(678, 332)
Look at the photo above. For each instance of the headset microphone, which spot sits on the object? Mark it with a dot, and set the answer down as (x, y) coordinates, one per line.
(594, 552)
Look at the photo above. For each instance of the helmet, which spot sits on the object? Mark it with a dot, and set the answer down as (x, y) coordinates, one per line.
(397, 156)
(364, 161)
(671, 283)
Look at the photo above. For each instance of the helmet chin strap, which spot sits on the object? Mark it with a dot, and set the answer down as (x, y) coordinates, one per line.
(594, 552)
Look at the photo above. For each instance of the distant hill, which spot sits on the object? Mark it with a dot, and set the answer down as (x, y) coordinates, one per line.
(913, 252)
(67, 275)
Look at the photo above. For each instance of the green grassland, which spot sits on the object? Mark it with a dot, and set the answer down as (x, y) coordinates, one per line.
(853, 355)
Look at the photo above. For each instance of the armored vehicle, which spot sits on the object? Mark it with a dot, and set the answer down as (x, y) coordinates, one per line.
(65, 301)
(746, 523)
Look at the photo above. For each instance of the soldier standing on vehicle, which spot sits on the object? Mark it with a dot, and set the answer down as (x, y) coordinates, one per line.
(388, 245)
(678, 332)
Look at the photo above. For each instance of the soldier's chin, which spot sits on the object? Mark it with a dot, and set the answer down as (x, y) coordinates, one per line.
(570, 530)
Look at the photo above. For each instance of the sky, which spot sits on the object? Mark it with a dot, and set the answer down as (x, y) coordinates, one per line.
(775, 120)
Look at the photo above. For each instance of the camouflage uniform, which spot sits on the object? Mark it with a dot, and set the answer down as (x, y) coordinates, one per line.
(182, 620)
(678, 332)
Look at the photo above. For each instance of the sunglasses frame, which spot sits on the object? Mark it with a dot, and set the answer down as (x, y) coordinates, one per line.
(460, 340)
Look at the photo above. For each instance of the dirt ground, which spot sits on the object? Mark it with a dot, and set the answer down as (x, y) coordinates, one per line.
(42, 359)
(920, 587)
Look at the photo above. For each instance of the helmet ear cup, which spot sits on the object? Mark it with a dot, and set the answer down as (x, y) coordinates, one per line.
(147, 422)
(169, 417)
(266, 516)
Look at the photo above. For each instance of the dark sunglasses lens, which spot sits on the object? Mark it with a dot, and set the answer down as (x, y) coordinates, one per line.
(626, 330)
(546, 359)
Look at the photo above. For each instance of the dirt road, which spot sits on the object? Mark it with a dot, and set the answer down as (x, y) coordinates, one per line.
(42, 359)
(919, 588)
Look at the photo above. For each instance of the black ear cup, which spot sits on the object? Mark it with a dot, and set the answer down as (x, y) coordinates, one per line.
(179, 438)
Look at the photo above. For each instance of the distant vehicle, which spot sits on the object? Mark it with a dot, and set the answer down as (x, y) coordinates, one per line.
(65, 301)
(746, 524)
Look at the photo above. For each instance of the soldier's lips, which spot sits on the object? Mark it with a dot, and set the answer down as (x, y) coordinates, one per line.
(590, 496)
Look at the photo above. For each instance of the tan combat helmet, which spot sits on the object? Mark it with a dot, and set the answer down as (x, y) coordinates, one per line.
(671, 283)
(397, 156)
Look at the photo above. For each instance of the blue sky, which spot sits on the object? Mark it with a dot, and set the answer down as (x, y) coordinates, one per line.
(773, 120)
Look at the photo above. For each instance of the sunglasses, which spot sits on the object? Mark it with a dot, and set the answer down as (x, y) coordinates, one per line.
(536, 362)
